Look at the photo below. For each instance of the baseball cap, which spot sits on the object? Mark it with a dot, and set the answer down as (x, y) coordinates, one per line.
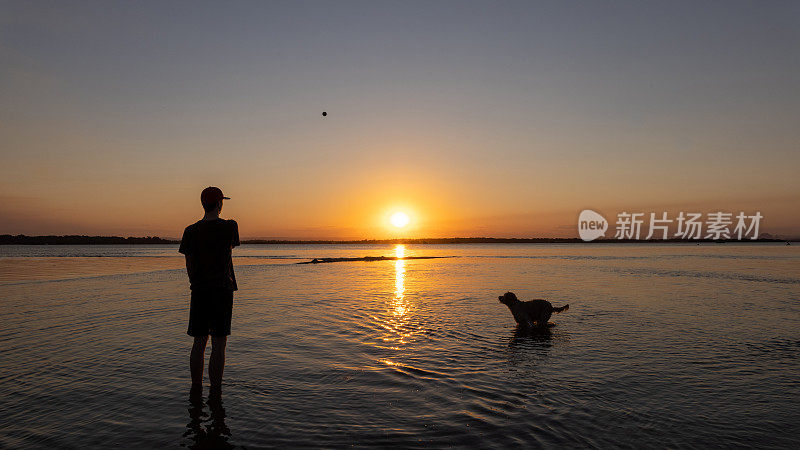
(212, 194)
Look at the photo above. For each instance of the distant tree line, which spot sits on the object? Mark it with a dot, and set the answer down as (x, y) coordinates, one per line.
(470, 240)
(21, 239)
(488, 240)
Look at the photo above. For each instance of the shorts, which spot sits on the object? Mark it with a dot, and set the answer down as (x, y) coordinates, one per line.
(210, 312)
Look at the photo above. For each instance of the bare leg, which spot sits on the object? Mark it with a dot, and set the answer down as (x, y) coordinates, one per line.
(196, 361)
(216, 365)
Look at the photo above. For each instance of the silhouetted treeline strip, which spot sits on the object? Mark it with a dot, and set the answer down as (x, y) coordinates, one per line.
(477, 240)
(20, 239)
(483, 240)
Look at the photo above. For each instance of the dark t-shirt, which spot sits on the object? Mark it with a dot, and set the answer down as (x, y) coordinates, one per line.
(207, 245)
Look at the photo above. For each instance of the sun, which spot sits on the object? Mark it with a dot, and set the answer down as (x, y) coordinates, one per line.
(400, 219)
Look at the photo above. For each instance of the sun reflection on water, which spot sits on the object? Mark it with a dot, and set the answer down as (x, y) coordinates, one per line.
(400, 307)
(398, 323)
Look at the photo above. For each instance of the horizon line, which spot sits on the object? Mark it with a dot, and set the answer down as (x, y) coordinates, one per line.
(75, 239)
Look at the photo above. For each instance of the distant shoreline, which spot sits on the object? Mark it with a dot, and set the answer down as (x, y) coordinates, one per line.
(7, 239)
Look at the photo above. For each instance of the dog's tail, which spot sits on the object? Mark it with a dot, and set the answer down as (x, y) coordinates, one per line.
(562, 309)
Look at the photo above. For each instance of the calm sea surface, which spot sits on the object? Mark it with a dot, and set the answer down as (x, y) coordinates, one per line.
(663, 346)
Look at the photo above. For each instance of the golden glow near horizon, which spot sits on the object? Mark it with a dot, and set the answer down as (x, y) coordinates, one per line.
(400, 219)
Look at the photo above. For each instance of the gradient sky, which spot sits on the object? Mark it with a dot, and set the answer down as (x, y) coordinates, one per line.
(477, 118)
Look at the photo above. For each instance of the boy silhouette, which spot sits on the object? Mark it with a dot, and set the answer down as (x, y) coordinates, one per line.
(207, 245)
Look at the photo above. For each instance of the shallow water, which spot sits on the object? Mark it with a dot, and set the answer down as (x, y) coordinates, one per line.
(663, 345)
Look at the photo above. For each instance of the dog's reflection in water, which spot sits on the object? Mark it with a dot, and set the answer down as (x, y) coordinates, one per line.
(525, 337)
(206, 430)
(528, 348)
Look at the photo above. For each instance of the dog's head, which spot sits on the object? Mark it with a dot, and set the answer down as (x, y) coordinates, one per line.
(508, 298)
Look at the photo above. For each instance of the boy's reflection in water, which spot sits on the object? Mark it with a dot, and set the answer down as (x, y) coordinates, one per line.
(206, 430)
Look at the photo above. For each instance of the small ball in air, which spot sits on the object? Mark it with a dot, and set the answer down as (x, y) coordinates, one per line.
(324, 113)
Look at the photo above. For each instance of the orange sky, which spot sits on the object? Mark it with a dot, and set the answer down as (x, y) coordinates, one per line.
(475, 122)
